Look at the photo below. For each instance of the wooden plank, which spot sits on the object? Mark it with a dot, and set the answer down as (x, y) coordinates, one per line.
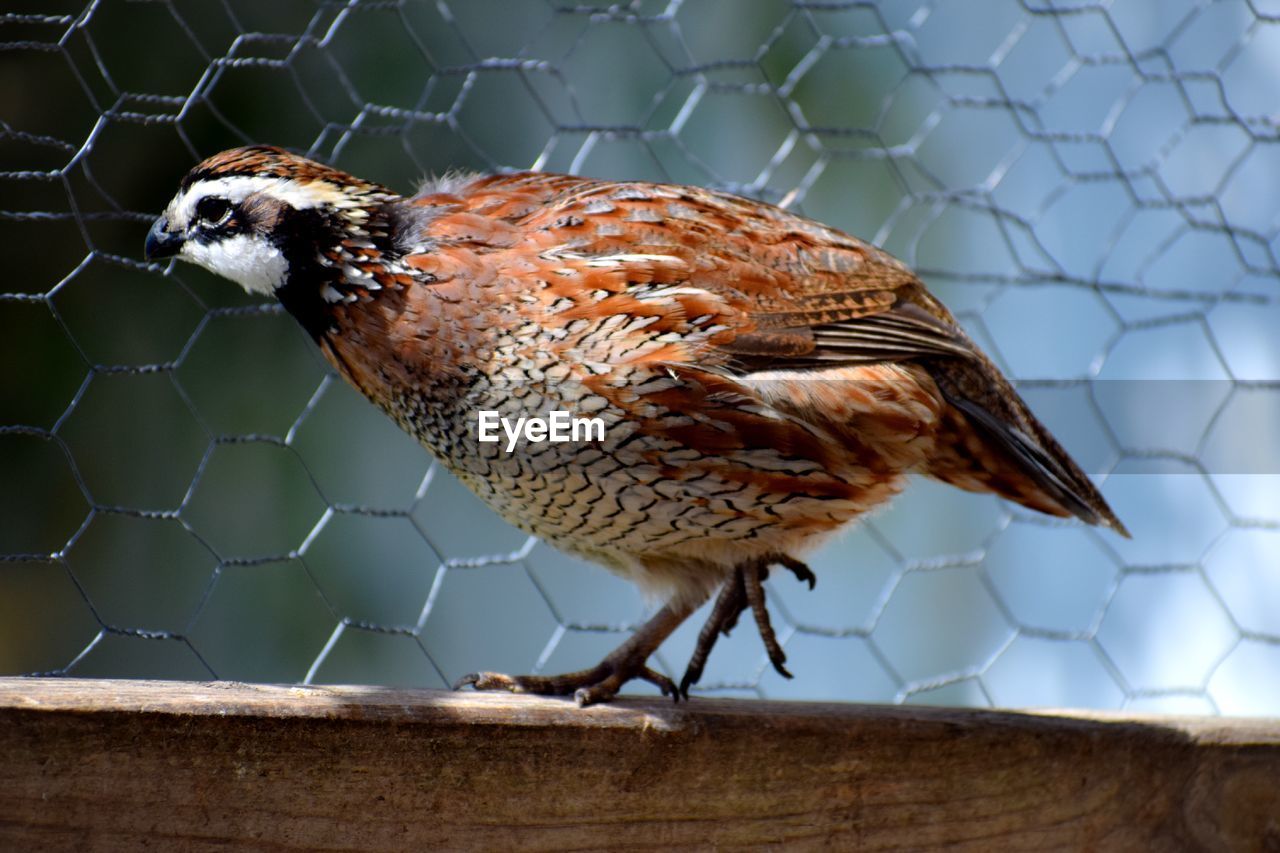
(106, 765)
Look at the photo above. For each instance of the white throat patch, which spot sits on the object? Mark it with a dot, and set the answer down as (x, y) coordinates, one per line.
(251, 262)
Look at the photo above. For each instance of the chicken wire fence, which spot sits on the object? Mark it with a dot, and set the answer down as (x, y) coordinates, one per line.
(188, 492)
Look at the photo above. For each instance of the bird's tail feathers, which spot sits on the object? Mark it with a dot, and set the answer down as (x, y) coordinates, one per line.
(995, 444)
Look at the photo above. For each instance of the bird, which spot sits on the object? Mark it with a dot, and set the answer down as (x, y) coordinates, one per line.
(763, 380)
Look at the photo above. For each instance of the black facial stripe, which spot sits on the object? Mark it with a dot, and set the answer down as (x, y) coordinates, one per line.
(296, 234)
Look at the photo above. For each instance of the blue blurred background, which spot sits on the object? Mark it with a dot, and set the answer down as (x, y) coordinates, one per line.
(186, 492)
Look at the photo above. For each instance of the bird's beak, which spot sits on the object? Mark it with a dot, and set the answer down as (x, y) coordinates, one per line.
(160, 243)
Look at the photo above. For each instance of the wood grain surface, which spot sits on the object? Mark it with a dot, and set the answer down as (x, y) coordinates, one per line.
(126, 765)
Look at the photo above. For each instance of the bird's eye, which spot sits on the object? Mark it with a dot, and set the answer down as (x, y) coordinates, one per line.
(213, 209)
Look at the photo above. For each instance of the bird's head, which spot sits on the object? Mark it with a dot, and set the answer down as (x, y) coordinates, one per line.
(255, 214)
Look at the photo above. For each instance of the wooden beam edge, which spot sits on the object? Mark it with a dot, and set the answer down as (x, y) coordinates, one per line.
(391, 704)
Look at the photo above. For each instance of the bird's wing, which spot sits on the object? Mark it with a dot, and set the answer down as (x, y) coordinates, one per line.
(788, 288)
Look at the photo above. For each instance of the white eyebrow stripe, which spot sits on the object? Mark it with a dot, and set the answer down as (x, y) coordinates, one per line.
(237, 188)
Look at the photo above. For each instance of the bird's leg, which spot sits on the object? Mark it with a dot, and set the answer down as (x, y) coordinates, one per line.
(601, 682)
(751, 580)
(724, 615)
(741, 590)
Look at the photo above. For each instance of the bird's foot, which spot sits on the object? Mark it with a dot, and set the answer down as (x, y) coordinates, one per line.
(742, 590)
(601, 682)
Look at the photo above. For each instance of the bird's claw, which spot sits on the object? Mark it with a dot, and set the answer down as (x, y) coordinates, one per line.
(601, 682)
(490, 681)
(803, 573)
(603, 691)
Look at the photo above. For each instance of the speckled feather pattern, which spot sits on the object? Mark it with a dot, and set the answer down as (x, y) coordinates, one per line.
(764, 379)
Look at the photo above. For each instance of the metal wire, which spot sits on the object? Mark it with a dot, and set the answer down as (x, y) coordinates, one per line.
(189, 493)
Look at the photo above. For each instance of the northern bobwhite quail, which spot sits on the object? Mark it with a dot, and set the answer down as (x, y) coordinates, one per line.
(762, 379)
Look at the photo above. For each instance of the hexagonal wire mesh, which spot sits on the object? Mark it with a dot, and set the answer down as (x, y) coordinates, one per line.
(189, 493)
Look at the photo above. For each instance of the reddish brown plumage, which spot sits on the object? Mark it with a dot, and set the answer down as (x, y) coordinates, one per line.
(766, 378)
